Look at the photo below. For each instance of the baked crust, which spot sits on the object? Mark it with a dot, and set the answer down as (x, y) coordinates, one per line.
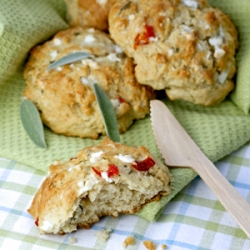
(64, 95)
(185, 47)
(89, 13)
(101, 180)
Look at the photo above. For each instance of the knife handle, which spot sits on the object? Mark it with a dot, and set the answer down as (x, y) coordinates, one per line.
(233, 202)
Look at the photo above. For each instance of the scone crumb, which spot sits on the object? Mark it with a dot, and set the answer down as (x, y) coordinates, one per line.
(104, 234)
(149, 245)
(130, 240)
(72, 240)
(164, 246)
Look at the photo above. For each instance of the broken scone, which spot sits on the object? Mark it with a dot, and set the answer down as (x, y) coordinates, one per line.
(108, 179)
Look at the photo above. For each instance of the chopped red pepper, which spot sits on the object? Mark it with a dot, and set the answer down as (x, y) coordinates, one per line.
(143, 38)
(36, 221)
(150, 31)
(113, 170)
(97, 171)
(121, 100)
(144, 165)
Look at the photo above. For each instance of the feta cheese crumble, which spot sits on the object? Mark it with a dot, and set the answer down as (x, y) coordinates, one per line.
(47, 226)
(115, 103)
(89, 39)
(222, 76)
(207, 27)
(53, 55)
(57, 42)
(84, 81)
(113, 58)
(190, 3)
(56, 162)
(101, 2)
(125, 158)
(216, 42)
(105, 176)
(153, 39)
(118, 49)
(91, 30)
(90, 63)
(94, 157)
(88, 185)
(131, 17)
(187, 31)
(170, 52)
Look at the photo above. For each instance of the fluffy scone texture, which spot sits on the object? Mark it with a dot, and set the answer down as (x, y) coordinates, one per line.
(107, 179)
(89, 13)
(64, 95)
(185, 47)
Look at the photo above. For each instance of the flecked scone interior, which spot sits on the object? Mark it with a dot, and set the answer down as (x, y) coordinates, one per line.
(185, 47)
(107, 179)
(89, 13)
(64, 95)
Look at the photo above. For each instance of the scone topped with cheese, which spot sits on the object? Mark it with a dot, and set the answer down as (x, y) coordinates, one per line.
(89, 13)
(64, 95)
(108, 179)
(183, 46)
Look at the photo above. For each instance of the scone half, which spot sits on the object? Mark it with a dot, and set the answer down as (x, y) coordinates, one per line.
(108, 179)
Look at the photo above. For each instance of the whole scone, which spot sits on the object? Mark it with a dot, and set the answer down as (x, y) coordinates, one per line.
(89, 13)
(108, 179)
(64, 95)
(185, 47)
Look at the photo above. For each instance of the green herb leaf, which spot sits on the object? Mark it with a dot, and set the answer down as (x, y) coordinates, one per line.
(70, 58)
(125, 7)
(108, 113)
(32, 123)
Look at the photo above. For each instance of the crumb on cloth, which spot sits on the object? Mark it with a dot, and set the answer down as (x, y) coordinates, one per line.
(130, 240)
(104, 234)
(163, 246)
(149, 245)
(72, 240)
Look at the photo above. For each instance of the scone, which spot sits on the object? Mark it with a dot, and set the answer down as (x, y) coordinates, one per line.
(89, 13)
(185, 47)
(108, 179)
(64, 95)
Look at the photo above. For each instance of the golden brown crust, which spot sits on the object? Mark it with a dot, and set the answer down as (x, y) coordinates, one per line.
(64, 95)
(101, 180)
(89, 13)
(188, 51)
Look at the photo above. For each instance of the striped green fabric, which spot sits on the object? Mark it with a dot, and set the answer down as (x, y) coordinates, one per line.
(193, 219)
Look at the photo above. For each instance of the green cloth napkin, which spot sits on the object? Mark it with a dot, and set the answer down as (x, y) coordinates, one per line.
(218, 130)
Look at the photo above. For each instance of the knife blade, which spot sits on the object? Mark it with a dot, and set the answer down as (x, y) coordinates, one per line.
(179, 150)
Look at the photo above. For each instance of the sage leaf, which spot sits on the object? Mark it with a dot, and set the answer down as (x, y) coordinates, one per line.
(32, 123)
(125, 7)
(70, 58)
(108, 113)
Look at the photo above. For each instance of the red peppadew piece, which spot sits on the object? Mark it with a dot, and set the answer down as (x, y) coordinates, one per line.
(112, 170)
(37, 221)
(143, 38)
(144, 165)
